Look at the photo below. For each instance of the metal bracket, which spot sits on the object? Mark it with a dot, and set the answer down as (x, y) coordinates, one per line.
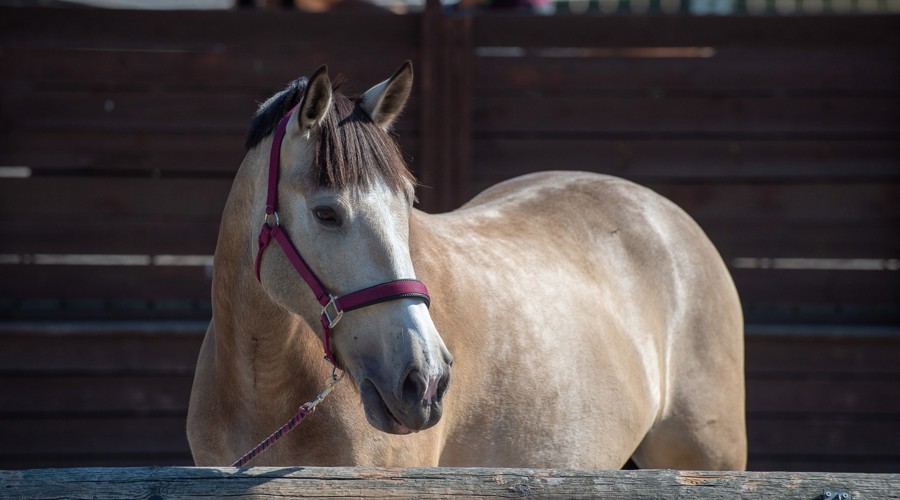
(835, 494)
(334, 314)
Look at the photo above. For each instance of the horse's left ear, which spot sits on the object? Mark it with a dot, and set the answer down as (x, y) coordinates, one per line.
(385, 101)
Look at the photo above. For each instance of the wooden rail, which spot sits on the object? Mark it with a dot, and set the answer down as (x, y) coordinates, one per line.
(341, 482)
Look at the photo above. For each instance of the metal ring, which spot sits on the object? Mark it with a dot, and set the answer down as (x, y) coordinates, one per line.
(277, 219)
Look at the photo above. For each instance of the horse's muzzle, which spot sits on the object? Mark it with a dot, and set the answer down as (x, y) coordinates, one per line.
(415, 406)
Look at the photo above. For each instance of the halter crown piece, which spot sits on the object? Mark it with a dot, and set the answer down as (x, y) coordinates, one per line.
(333, 307)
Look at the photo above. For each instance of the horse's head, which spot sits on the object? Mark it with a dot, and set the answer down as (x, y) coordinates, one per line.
(345, 198)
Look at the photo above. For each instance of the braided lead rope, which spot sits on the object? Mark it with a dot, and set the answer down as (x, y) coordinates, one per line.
(302, 412)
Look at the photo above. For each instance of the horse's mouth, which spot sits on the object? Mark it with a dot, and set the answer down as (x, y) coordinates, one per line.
(381, 417)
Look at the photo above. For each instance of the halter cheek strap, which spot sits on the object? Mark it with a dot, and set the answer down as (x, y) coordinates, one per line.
(333, 307)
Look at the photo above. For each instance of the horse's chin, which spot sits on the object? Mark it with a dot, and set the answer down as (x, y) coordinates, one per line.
(382, 418)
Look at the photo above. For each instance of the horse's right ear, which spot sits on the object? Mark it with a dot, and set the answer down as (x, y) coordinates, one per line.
(316, 102)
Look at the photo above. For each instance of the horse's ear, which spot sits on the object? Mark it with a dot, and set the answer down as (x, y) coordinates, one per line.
(385, 101)
(316, 101)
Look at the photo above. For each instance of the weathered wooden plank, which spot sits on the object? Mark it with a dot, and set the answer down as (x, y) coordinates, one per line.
(71, 282)
(65, 396)
(96, 153)
(446, 93)
(838, 287)
(688, 160)
(657, 71)
(553, 114)
(111, 215)
(288, 31)
(182, 112)
(839, 436)
(811, 395)
(796, 351)
(104, 348)
(32, 461)
(116, 111)
(801, 462)
(106, 309)
(110, 435)
(686, 31)
(343, 482)
(92, 153)
(216, 69)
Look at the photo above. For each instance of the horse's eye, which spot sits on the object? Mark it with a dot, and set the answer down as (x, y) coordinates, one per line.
(327, 216)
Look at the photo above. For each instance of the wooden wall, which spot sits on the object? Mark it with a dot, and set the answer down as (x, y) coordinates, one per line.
(779, 135)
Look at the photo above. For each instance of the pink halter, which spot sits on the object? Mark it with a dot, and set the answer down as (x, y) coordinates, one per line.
(333, 307)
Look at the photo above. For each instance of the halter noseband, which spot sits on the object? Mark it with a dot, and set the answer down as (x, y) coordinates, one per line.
(333, 307)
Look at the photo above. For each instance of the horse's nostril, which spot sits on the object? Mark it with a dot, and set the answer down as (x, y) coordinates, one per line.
(414, 386)
(442, 387)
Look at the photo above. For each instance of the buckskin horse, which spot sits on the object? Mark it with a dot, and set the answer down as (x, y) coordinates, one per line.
(587, 320)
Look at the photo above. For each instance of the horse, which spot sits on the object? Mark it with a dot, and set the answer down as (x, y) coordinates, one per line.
(562, 320)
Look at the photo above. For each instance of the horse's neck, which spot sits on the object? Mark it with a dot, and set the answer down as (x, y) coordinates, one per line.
(256, 339)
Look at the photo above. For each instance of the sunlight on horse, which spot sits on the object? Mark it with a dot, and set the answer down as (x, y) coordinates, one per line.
(590, 320)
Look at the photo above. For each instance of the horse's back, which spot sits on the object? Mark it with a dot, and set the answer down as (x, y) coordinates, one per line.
(627, 295)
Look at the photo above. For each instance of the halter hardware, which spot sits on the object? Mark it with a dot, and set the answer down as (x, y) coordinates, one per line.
(274, 215)
(335, 315)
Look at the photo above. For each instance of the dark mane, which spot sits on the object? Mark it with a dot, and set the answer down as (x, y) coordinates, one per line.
(351, 149)
(270, 112)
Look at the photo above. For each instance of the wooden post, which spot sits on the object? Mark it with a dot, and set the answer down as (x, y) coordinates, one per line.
(445, 88)
(159, 483)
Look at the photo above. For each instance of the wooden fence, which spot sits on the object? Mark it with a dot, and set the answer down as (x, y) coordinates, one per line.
(779, 135)
(173, 483)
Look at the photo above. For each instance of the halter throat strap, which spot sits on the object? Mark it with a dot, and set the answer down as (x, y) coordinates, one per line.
(333, 306)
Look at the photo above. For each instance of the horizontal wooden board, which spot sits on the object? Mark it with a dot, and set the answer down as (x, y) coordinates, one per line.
(111, 215)
(661, 72)
(269, 483)
(215, 69)
(792, 352)
(685, 31)
(66, 396)
(799, 462)
(171, 112)
(95, 436)
(99, 309)
(184, 112)
(87, 153)
(845, 288)
(100, 348)
(179, 30)
(825, 437)
(103, 282)
(69, 460)
(838, 394)
(659, 161)
(550, 115)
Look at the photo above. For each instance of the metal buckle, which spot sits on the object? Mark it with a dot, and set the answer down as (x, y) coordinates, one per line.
(334, 316)
(277, 220)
